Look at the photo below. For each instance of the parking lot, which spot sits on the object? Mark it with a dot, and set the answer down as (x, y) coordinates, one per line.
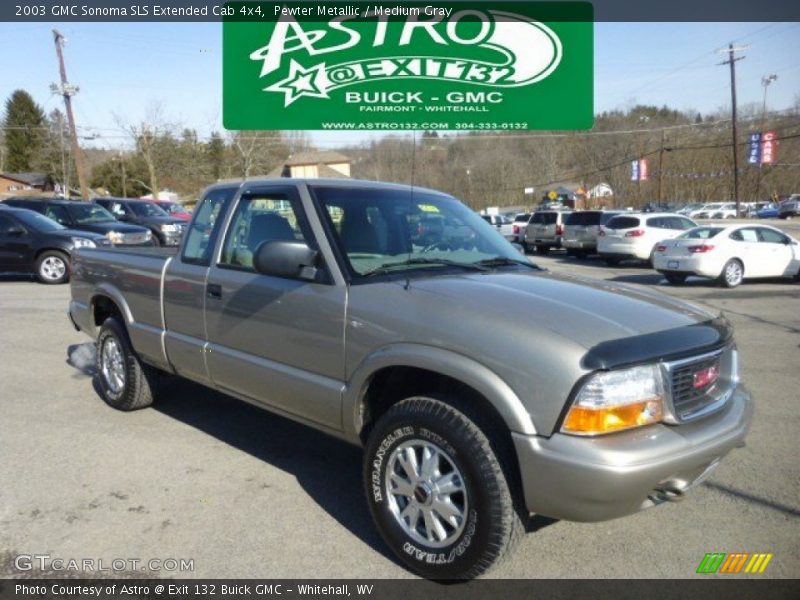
(244, 493)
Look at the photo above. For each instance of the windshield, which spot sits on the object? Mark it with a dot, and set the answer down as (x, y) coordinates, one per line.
(90, 213)
(147, 209)
(37, 222)
(701, 233)
(173, 208)
(381, 229)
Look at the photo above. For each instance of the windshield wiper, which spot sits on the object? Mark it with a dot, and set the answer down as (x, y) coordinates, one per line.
(501, 261)
(389, 267)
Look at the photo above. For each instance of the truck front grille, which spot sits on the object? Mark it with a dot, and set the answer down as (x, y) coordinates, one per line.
(692, 393)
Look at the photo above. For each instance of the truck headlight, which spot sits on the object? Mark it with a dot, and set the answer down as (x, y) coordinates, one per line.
(83, 243)
(115, 237)
(615, 400)
(169, 228)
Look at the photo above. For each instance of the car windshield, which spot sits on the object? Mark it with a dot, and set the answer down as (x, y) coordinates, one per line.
(390, 230)
(90, 213)
(37, 222)
(701, 233)
(147, 209)
(173, 208)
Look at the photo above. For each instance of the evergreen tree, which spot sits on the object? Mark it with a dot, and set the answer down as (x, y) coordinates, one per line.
(25, 129)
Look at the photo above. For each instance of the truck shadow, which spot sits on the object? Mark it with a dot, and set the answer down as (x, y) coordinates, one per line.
(327, 469)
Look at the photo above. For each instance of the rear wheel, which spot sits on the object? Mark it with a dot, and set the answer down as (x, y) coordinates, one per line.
(52, 267)
(125, 381)
(675, 278)
(437, 491)
(525, 248)
(542, 249)
(732, 273)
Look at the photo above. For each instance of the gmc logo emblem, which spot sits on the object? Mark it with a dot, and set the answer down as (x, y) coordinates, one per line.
(706, 377)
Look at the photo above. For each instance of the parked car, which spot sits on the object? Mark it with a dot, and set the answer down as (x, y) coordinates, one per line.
(728, 254)
(564, 403)
(30, 242)
(789, 209)
(518, 227)
(685, 210)
(504, 225)
(544, 230)
(166, 230)
(706, 210)
(581, 229)
(84, 216)
(174, 209)
(769, 211)
(634, 236)
(726, 211)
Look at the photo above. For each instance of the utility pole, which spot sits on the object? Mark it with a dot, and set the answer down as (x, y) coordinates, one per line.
(67, 91)
(732, 60)
(661, 166)
(124, 176)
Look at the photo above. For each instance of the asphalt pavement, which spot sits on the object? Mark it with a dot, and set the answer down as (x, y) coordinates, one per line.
(244, 493)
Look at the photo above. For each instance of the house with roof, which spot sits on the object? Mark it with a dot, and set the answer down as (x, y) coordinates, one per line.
(21, 183)
(325, 163)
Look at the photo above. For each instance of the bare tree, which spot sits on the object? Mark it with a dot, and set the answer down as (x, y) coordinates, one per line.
(146, 135)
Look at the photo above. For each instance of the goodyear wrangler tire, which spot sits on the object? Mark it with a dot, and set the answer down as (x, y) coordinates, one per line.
(437, 492)
(125, 381)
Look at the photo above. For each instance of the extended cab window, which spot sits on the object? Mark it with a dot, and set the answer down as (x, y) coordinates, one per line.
(259, 218)
(202, 235)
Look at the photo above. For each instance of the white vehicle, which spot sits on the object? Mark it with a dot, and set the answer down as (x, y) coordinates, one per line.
(635, 235)
(726, 211)
(503, 224)
(728, 254)
(705, 211)
(518, 227)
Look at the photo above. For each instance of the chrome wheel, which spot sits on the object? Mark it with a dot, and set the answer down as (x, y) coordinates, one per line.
(733, 273)
(426, 493)
(53, 268)
(112, 365)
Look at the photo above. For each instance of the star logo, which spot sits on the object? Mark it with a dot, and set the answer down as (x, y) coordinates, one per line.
(301, 82)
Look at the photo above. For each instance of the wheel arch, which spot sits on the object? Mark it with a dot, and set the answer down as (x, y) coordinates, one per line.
(402, 368)
(107, 301)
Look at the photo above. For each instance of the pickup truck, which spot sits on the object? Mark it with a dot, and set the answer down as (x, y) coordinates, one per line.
(483, 388)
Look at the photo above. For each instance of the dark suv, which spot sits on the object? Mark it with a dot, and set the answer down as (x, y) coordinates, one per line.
(84, 216)
(166, 230)
(789, 209)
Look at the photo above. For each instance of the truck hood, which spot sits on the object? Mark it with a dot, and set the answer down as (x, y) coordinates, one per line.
(586, 311)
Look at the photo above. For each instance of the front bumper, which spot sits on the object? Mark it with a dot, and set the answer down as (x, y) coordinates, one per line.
(605, 477)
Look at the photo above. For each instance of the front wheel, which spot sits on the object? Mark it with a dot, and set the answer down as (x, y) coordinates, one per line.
(52, 267)
(732, 274)
(437, 491)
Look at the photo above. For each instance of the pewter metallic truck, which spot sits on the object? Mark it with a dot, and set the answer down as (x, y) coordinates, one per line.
(483, 388)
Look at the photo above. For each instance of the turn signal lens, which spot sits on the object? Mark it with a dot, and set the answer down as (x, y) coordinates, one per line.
(701, 248)
(616, 400)
(635, 233)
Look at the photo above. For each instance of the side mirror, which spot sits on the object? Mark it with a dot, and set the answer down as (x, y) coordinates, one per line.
(286, 259)
(15, 231)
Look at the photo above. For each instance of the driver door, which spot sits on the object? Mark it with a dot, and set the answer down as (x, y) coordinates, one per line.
(278, 341)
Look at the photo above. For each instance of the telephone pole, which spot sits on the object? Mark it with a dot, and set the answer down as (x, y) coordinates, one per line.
(661, 166)
(732, 60)
(68, 90)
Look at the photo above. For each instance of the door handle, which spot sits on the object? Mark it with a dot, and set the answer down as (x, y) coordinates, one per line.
(214, 290)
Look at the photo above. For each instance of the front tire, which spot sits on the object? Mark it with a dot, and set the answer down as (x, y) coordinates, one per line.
(52, 267)
(437, 491)
(732, 274)
(125, 381)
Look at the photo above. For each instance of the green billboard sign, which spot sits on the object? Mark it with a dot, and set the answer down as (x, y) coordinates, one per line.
(410, 66)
